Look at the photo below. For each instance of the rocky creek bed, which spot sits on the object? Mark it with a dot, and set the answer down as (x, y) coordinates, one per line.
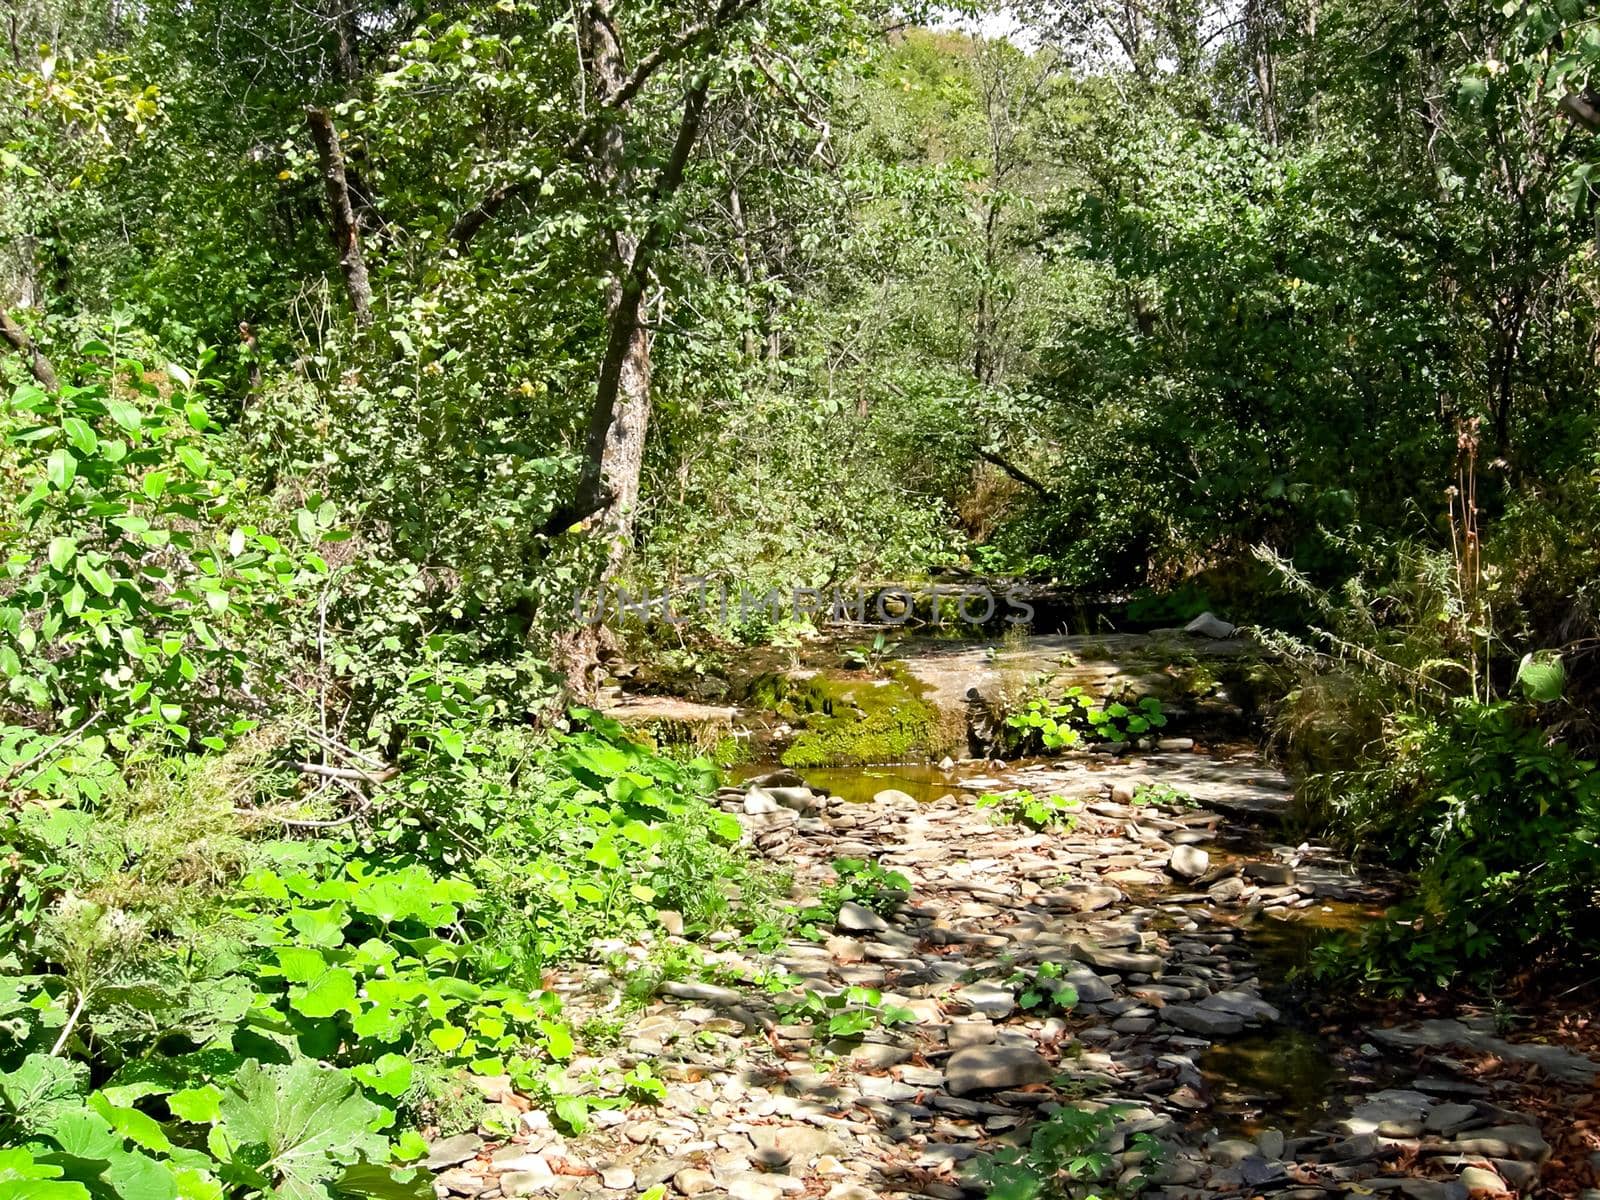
(1154, 937)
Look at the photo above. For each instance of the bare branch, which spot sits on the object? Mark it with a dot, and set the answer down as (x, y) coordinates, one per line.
(24, 345)
(341, 214)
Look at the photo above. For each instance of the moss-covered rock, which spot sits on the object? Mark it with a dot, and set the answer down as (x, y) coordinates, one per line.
(856, 720)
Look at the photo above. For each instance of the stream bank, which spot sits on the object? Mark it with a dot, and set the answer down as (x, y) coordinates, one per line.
(885, 1051)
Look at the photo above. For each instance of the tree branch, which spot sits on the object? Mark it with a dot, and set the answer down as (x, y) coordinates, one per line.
(341, 214)
(1016, 472)
(468, 224)
(24, 345)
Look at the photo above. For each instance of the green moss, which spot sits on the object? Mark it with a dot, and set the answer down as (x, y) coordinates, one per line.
(857, 721)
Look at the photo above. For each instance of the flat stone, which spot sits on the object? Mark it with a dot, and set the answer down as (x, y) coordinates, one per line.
(447, 1152)
(692, 1181)
(1277, 874)
(987, 999)
(1445, 1119)
(857, 918)
(974, 1031)
(1107, 959)
(1243, 1005)
(1204, 1021)
(895, 797)
(1087, 898)
(700, 993)
(616, 1179)
(528, 1183)
(992, 1068)
(1504, 1141)
(754, 1187)
(1231, 1152)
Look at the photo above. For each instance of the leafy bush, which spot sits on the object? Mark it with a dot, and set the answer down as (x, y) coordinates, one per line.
(1506, 827)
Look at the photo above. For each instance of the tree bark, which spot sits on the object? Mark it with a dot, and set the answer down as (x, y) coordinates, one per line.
(24, 345)
(619, 418)
(341, 214)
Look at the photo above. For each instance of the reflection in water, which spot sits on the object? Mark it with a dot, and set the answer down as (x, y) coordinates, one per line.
(1290, 1068)
(923, 782)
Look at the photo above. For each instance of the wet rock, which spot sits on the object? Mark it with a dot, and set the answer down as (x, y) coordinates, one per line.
(1204, 1021)
(1188, 862)
(992, 1068)
(1243, 1005)
(1277, 874)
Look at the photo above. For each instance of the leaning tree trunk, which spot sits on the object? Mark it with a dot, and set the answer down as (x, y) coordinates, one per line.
(24, 345)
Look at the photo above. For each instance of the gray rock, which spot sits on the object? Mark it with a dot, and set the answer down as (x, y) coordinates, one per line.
(1107, 959)
(700, 993)
(1086, 898)
(1210, 625)
(1445, 1119)
(1227, 891)
(1505, 1141)
(987, 999)
(1206, 1022)
(1271, 1143)
(800, 799)
(857, 918)
(1279, 874)
(1243, 1005)
(1188, 862)
(895, 797)
(447, 1152)
(528, 1183)
(1231, 1152)
(758, 801)
(992, 1068)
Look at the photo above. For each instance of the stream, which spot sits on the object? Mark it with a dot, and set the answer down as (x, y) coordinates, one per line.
(896, 1046)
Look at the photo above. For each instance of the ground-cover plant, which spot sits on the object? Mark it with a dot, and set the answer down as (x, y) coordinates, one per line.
(844, 1014)
(1044, 989)
(1053, 723)
(1022, 807)
(1066, 1153)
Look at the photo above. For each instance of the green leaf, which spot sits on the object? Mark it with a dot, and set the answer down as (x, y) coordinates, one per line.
(80, 434)
(333, 992)
(193, 461)
(1543, 677)
(61, 468)
(124, 414)
(390, 1075)
(300, 1124)
(202, 1105)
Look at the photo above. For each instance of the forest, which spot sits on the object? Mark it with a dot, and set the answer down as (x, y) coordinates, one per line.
(838, 599)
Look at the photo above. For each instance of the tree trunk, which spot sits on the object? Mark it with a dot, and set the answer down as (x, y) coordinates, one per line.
(24, 345)
(620, 417)
(341, 214)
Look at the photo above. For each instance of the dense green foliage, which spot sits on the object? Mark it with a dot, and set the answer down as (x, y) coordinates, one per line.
(347, 345)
